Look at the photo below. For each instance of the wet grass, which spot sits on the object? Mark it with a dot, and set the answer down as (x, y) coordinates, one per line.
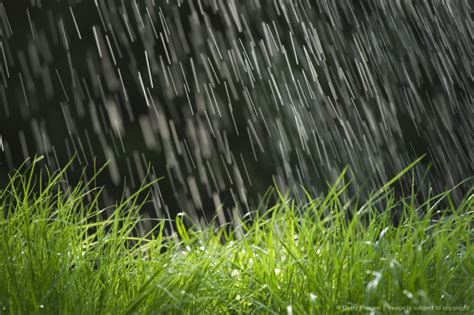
(59, 254)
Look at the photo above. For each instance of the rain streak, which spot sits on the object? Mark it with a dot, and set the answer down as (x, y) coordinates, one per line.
(224, 98)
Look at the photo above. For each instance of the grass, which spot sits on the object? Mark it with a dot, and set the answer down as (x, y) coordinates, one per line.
(59, 254)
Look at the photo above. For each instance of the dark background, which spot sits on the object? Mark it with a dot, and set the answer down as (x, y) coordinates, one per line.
(440, 127)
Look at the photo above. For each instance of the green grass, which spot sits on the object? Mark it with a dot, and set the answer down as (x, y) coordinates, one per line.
(59, 254)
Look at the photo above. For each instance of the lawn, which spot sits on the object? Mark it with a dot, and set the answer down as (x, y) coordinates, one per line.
(60, 254)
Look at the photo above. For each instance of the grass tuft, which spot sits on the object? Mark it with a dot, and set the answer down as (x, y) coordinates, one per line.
(60, 253)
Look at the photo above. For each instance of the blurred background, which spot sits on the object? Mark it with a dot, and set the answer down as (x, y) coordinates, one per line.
(225, 98)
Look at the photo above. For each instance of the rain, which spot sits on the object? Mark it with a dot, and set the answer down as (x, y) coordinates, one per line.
(222, 99)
